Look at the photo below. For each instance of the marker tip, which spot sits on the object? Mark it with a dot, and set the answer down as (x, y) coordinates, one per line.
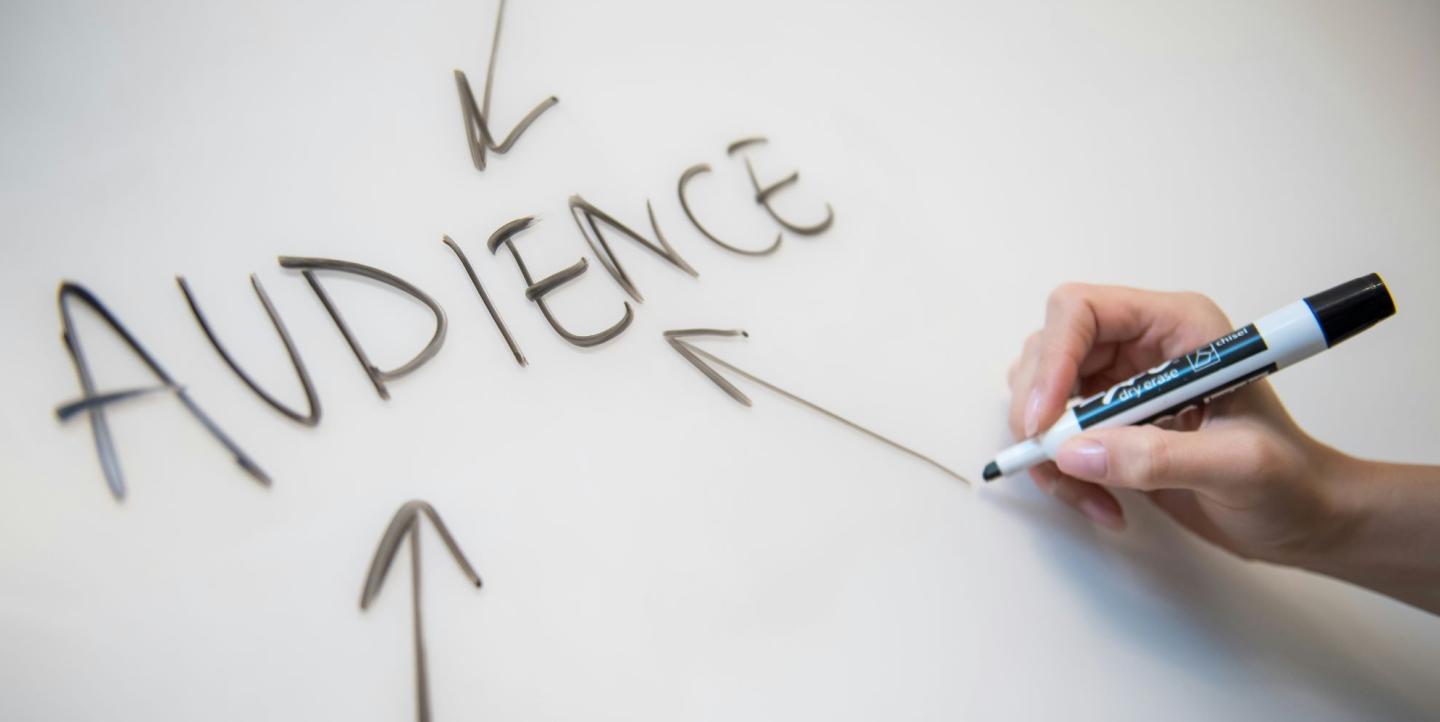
(991, 472)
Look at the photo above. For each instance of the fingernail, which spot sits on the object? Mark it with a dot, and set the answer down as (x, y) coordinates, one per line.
(1101, 513)
(1083, 458)
(1032, 413)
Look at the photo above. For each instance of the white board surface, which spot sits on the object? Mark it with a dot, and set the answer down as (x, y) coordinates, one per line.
(651, 549)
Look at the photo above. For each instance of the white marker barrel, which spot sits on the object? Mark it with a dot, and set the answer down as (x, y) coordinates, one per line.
(1297, 331)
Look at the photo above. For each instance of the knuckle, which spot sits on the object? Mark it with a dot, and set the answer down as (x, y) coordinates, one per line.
(1205, 307)
(1017, 422)
(1065, 295)
(1255, 457)
(1151, 462)
(1032, 342)
(1017, 413)
(1066, 490)
(1195, 298)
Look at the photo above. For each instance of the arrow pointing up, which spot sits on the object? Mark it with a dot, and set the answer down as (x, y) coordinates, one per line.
(406, 523)
(698, 357)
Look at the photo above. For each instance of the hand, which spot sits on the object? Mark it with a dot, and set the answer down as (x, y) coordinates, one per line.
(1238, 472)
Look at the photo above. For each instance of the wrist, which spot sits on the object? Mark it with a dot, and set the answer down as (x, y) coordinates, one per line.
(1378, 529)
(1348, 494)
(1328, 504)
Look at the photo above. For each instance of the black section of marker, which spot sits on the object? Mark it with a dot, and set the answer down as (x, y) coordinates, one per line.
(992, 471)
(1219, 354)
(1233, 385)
(1352, 307)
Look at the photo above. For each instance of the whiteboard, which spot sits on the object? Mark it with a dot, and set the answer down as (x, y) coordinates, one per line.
(652, 550)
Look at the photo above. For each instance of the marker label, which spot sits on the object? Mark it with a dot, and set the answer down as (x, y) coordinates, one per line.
(1171, 375)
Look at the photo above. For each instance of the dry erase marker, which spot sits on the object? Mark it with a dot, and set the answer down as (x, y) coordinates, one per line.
(1297, 331)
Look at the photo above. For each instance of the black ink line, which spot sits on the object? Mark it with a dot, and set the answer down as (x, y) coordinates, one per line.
(477, 129)
(504, 236)
(675, 339)
(312, 400)
(743, 143)
(762, 196)
(65, 412)
(485, 298)
(688, 353)
(378, 376)
(685, 177)
(406, 524)
(94, 409)
(607, 256)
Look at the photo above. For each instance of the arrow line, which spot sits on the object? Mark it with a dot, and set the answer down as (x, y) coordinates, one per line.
(477, 118)
(694, 354)
(406, 524)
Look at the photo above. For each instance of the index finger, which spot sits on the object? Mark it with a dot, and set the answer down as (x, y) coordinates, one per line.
(1077, 317)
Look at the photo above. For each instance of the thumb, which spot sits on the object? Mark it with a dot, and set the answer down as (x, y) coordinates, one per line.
(1149, 458)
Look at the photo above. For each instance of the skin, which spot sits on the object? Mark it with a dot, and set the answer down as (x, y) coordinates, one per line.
(1237, 472)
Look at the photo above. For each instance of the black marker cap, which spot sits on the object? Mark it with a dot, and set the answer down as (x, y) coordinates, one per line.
(1351, 307)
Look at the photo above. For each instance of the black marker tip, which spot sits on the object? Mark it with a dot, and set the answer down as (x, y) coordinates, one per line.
(991, 472)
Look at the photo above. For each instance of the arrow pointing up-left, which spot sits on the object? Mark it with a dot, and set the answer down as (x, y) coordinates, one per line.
(702, 360)
(406, 523)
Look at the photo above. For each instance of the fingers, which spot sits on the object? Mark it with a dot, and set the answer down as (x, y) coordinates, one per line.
(1101, 357)
(1099, 335)
(1077, 317)
(1069, 333)
(1218, 462)
(1022, 372)
(1088, 329)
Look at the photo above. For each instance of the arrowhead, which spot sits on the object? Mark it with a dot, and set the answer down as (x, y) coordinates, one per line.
(676, 340)
(699, 357)
(405, 518)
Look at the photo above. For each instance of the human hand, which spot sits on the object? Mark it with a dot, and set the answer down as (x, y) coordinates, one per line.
(1238, 471)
